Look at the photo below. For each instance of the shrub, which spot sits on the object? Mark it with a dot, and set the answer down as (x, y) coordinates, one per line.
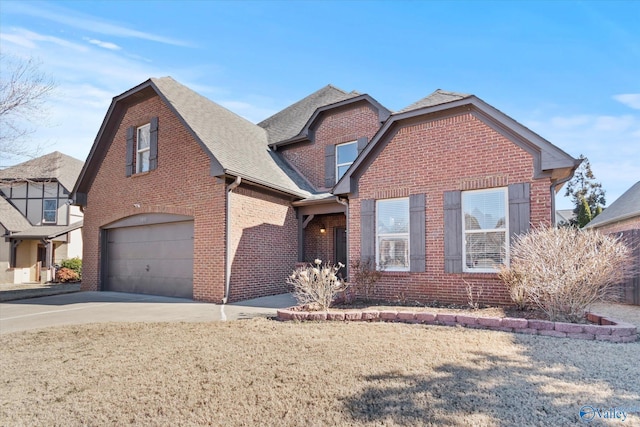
(74, 264)
(365, 275)
(66, 275)
(565, 270)
(316, 286)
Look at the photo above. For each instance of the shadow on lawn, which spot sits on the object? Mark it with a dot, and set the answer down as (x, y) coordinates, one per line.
(544, 385)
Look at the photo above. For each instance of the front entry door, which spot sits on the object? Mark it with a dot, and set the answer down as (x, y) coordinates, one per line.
(340, 240)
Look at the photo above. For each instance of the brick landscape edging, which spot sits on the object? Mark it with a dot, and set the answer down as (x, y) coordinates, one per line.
(601, 328)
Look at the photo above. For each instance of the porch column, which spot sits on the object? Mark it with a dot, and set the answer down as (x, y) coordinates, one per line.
(48, 244)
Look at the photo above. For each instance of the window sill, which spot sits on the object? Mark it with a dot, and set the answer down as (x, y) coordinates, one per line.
(140, 174)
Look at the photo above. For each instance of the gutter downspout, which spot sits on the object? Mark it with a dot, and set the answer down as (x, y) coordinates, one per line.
(227, 255)
(552, 188)
(345, 203)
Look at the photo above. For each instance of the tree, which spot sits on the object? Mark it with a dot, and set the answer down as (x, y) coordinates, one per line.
(23, 92)
(585, 193)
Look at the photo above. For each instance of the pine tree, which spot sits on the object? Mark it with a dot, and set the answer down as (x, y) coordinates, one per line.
(584, 214)
(585, 190)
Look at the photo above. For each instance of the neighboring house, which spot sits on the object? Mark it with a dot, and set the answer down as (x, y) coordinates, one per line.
(565, 216)
(622, 218)
(185, 198)
(39, 226)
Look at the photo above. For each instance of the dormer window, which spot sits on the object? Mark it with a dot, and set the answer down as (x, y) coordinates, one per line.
(143, 138)
(345, 155)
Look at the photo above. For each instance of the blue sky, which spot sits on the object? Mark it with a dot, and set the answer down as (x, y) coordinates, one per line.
(570, 70)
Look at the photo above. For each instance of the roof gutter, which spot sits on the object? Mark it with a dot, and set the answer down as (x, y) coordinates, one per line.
(345, 203)
(227, 255)
(553, 191)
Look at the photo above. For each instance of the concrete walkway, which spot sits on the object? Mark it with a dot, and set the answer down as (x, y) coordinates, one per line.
(91, 307)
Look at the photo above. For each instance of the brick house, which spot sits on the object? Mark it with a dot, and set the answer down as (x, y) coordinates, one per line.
(39, 228)
(184, 198)
(622, 218)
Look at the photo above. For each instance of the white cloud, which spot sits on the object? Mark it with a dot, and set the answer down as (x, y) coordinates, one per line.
(29, 39)
(85, 22)
(106, 45)
(629, 99)
(611, 143)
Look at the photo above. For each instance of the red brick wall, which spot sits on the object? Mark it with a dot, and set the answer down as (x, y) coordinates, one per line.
(455, 153)
(264, 243)
(343, 125)
(322, 245)
(181, 184)
(616, 227)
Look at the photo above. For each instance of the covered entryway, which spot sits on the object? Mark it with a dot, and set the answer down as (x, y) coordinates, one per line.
(149, 254)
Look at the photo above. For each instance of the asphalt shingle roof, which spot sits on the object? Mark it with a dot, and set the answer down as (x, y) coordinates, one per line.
(65, 169)
(240, 146)
(11, 218)
(626, 206)
(288, 123)
(436, 98)
(47, 231)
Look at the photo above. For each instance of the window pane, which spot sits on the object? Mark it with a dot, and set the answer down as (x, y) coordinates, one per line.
(346, 153)
(143, 137)
(49, 208)
(49, 216)
(485, 250)
(50, 204)
(341, 171)
(393, 216)
(484, 210)
(143, 161)
(393, 252)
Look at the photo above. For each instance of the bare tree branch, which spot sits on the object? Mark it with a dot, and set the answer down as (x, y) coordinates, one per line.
(23, 93)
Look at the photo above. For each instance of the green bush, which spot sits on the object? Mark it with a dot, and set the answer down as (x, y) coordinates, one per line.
(74, 264)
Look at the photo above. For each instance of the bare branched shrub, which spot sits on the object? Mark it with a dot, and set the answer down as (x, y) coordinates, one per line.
(516, 284)
(564, 270)
(316, 286)
(365, 275)
(474, 293)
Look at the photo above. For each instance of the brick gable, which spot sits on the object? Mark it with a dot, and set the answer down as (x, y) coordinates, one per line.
(334, 127)
(454, 153)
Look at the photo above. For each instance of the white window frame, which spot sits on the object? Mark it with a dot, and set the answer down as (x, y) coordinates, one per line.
(406, 235)
(140, 151)
(55, 216)
(338, 165)
(504, 229)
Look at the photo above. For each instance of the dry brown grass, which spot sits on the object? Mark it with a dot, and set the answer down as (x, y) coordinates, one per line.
(262, 372)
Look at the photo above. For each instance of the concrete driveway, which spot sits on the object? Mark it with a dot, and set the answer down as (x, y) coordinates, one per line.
(91, 307)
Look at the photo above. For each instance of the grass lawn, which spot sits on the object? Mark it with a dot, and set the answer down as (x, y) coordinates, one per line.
(267, 373)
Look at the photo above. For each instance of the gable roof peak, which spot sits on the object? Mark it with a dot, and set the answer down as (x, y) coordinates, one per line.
(290, 121)
(56, 165)
(437, 97)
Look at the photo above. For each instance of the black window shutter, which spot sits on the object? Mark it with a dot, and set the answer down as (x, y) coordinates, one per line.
(129, 166)
(329, 166)
(453, 232)
(417, 242)
(519, 209)
(367, 230)
(362, 143)
(153, 144)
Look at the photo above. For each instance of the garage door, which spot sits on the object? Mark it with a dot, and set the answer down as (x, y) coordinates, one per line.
(154, 259)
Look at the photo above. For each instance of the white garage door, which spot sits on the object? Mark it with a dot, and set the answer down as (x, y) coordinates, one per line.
(155, 259)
